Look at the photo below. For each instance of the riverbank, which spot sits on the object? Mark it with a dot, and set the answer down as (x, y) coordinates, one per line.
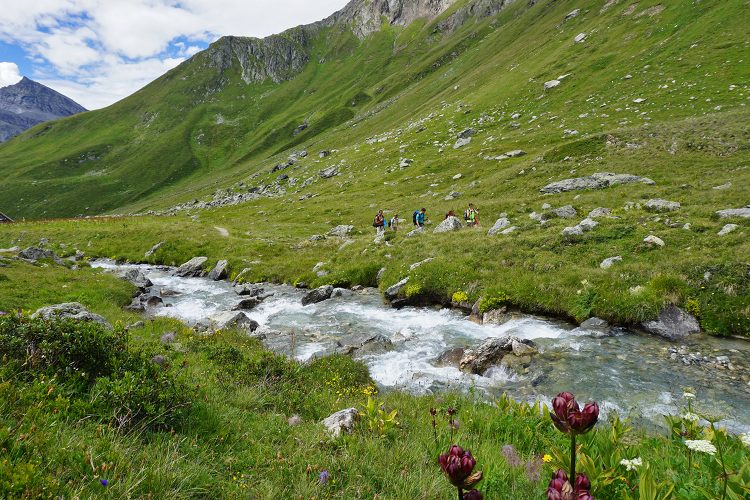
(253, 425)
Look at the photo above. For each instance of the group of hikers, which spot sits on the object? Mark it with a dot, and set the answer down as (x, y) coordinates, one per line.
(419, 218)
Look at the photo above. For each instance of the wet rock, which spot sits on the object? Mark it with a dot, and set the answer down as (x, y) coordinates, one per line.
(609, 262)
(248, 304)
(318, 295)
(595, 181)
(734, 212)
(673, 323)
(475, 315)
(595, 324)
(70, 310)
(166, 292)
(492, 351)
(393, 291)
(191, 268)
(496, 316)
(249, 290)
(341, 292)
(232, 320)
(341, 422)
(659, 205)
(152, 301)
(137, 279)
(341, 231)
(517, 364)
(451, 357)
(727, 229)
(501, 224)
(448, 225)
(653, 241)
(219, 272)
(370, 345)
(153, 249)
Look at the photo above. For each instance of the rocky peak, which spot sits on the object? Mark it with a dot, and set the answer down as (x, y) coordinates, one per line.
(365, 16)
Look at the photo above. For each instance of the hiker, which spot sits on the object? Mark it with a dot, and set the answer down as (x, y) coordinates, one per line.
(393, 223)
(379, 223)
(450, 213)
(419, 217)
(471, 216)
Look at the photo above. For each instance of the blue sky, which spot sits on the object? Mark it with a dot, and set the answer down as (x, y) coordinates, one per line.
(100, 51)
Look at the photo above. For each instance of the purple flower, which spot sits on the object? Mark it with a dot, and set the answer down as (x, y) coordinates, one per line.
(104, 482)
(568, 416)
(3, 313)
(511, 455)
(473, 495)
(560, 488)
(457, 465)
(324, 477)
(534, 469)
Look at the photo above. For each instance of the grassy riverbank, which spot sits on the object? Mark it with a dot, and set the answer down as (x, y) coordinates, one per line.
(213, 420)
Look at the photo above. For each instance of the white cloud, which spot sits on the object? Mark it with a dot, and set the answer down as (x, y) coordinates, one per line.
(99, 51)
(9, 74)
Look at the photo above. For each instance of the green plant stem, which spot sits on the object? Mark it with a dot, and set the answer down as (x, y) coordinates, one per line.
(721, 460)
(572, 460)
(460, 493)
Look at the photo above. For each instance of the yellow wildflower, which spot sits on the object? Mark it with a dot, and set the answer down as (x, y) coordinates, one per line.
(547, 458)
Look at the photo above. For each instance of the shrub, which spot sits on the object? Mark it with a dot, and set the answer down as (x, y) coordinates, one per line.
(492, 301)
(460, 296)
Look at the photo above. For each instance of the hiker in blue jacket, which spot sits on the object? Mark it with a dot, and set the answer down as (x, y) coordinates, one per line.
(419, 217)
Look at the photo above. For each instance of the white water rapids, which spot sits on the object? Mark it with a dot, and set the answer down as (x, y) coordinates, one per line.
(628, 372)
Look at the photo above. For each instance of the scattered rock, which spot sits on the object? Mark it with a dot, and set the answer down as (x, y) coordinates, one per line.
(329, 172)
(465, 134)
(727, 229)
(653, 241)
(735, 212)
(318, 295)
(191, 268)
(673, 323)
(659, 205)
(415, 231)
(609, 262)
(373, 344)
(501, 224)
(566, 212)
(152, 301)
(462, 142)
(317, 237)
(723, 186)
(341, 421)
(551, 84)
(417, 264)
(70, 310)
(580, 37)
(600, 212)
(233, 320)
(595, 181)
(584, 226)
(509, 230)
(491, 352)
(135, 326)
(35, 253)
(248, 304)
(572, 14)
(496, 316)
(393, 291)
(341, 231)
(569, 232)
(448, 225)
(249, 290)
(451, 357)
(324, 154)
(153, 249)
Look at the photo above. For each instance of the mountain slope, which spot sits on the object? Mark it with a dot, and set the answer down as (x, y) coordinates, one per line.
(28, 103)
(220, 118)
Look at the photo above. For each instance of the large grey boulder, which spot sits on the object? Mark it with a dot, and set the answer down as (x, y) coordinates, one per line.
(728, 228)
(393, 291)
(501, 224)
(492, 351)
(318, 295)
(594, 181)
(219, 272)
(659, 205)
(566, 212)
(673, 323)
(70, 310)
(191, 268)
(448, 225)
(341, 231)
(735, 212)
(341, 422)
(137, 279)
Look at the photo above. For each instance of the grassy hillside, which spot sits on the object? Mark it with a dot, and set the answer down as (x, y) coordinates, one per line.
(655, 89)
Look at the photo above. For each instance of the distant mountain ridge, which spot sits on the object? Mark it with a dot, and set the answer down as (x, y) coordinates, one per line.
(28, 103)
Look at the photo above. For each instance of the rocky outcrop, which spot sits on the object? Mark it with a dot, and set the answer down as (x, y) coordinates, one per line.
(449, 225)
(594, 181)
(500, 225)
(341, 231)
(673, 323)
(191, 268)
(70, 310)
(341, 422)
(36, 253)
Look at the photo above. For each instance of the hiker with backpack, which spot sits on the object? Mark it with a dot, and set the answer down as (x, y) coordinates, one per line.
(393, 223)
(379, 223)
(419, 217)
(471, 216)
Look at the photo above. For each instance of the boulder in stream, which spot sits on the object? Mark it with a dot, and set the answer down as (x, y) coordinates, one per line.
(137, 279)
(673, 323)
(318, 295)
(232, 320)
(192, 268)
(219, 272)
(492, 351)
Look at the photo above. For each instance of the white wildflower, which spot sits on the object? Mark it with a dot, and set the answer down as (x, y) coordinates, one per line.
(632, 464)
(691, 417)
(745, 438)
(701, 445)
(688, 395)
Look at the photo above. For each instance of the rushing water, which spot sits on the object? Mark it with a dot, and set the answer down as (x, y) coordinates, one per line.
(624, 371)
